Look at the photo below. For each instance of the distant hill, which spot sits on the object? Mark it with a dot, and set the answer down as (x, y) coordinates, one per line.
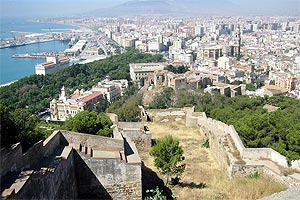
(200, 8)
(167, 7)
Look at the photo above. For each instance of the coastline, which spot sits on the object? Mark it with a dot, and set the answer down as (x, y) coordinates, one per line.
(7, 84)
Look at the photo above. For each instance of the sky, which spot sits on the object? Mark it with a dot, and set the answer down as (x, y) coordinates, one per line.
(51, 8)
(57, 8)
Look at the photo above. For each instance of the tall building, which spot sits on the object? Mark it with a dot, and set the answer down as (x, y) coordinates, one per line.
(199, 30)
(177, 44)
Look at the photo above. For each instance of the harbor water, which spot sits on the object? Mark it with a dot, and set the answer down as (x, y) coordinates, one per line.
(12, 69)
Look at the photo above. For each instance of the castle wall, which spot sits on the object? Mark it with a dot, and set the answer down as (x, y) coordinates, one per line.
(52, 142)
(15, 160)
(120, 180)
(232, 155)
(11, 160)
(56, 182)
(57, 171)
(245, 170)
(236, 138)
(140, 138)
(136, 132)
(77, 139)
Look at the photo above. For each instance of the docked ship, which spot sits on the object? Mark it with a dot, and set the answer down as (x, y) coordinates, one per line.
(52, 64)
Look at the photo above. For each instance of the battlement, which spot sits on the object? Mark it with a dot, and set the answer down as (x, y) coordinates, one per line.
(73, 165)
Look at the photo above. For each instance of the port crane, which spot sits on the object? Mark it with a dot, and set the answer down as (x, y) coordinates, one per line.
(50, 31)
(14, 38)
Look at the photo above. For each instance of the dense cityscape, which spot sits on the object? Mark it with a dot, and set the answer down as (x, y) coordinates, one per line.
(154, 106)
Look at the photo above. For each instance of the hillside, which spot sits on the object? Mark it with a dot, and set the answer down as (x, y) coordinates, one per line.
(36, 91)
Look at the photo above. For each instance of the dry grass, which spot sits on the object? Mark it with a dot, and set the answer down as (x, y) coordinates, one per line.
(203, 177)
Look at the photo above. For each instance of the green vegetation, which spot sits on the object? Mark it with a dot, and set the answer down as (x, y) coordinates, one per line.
(257, 128)
(127, 108)
(163, 100)
(155, 194)
(177, 70)
(32, 94)
(19, 126)
(168, 155)
(90, 123)
(36, 91)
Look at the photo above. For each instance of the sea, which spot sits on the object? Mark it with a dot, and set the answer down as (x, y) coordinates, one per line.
(12, 69)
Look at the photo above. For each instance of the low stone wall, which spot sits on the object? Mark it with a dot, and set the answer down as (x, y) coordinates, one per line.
(231, 152)
(245, 170)
(93, 141)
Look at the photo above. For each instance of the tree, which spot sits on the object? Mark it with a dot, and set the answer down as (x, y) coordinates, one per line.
(168, 155)
(156, 194)
(26, 126)
(90, 123)
(36, 91)
(127, 108)
(163, 100)
(19, 126)
(7, 128)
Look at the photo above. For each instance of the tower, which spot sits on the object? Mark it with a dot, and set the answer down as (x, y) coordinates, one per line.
(239, 41)
(62, 93)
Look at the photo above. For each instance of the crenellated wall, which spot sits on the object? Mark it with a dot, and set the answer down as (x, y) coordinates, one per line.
(15, 160)
(54, 180)
(70, 165)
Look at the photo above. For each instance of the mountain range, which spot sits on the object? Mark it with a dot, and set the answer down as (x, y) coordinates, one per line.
(200, 8)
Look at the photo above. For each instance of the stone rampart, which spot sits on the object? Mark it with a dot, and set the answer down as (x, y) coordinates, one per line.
(15, 160)
(11, 160)
(236, 138)
(232, 154)
(71, 165)
(238, 170)
(92, 141)
(55, 179)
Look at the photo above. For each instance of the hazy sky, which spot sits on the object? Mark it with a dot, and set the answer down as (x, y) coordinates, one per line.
(46, 8)
(55, 8)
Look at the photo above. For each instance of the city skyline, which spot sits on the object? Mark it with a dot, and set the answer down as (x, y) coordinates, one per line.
(45, 8)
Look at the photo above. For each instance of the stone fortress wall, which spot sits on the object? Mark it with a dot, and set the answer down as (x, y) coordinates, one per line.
(69, 165)
(232, 155)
